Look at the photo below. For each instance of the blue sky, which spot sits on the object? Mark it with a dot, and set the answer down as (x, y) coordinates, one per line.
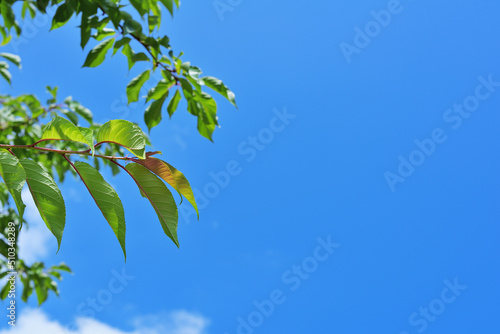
(368, 205)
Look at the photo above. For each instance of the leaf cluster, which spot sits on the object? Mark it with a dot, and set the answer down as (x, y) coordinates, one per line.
(129, 26)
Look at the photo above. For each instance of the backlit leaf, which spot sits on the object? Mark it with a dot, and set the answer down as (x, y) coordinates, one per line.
(106, 199)
(124, 133)
(14, 177)
(160, 197)
(172, 176)
(62, 129)
(47, 198)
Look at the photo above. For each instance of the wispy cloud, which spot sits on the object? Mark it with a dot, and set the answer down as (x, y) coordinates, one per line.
(179, 322)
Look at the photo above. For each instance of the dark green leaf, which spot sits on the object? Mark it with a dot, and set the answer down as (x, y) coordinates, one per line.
(14, 177)
(47, 198)
(169, 5)
(174, 102)
(120, 43)
(4, 71)
(134, 87)
(160, 197)
(15, 59)
(106, 199)
(220, 88)
(159, 90)
(96, 55)
(152, 115)
(172, 176)
(63, 14)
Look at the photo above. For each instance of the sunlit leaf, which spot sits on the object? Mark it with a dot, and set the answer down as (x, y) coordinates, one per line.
(220, 88)
(62, 129)
(123, 133)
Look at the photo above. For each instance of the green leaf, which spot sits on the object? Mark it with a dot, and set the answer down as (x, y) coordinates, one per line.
(207, 119)
(89, 135)
(134, 86)
(105, 32)
(106, 199)
(4, 71)
(63, 14)
(112, 9)
(142, 7)
(220, 88)
(174, 102)
(85, 28)
(15, 59)
(5, 290)
(169, 5)
(120, 43)
(152, 115)
(14, 177)
(96, 55)
(133, 57)
(47, 198)
(27, 288)
(71, 116)
(131, 26)
(123, 133)
(8, 15)
(52, 91)
(61, 267)
(159, 90)
(62, 129)
(41, 291)
(42, 5)
(82, 111)
(160, 197)
(172, 176)
(153, 22)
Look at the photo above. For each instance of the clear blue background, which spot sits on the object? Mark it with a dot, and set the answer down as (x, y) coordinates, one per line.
(322, 175)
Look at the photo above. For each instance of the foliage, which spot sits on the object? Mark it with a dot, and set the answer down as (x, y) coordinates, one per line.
(40, 143)
(34, 154)
(119, 25)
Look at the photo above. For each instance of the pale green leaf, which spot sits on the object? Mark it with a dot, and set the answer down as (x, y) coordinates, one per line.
(123, 133)
(62, 129)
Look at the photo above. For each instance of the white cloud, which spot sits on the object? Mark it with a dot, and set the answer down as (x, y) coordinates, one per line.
(179, 322)
(35, 239)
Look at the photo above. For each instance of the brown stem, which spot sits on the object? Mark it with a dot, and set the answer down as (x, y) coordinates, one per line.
(155, 60)
(86, 152)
